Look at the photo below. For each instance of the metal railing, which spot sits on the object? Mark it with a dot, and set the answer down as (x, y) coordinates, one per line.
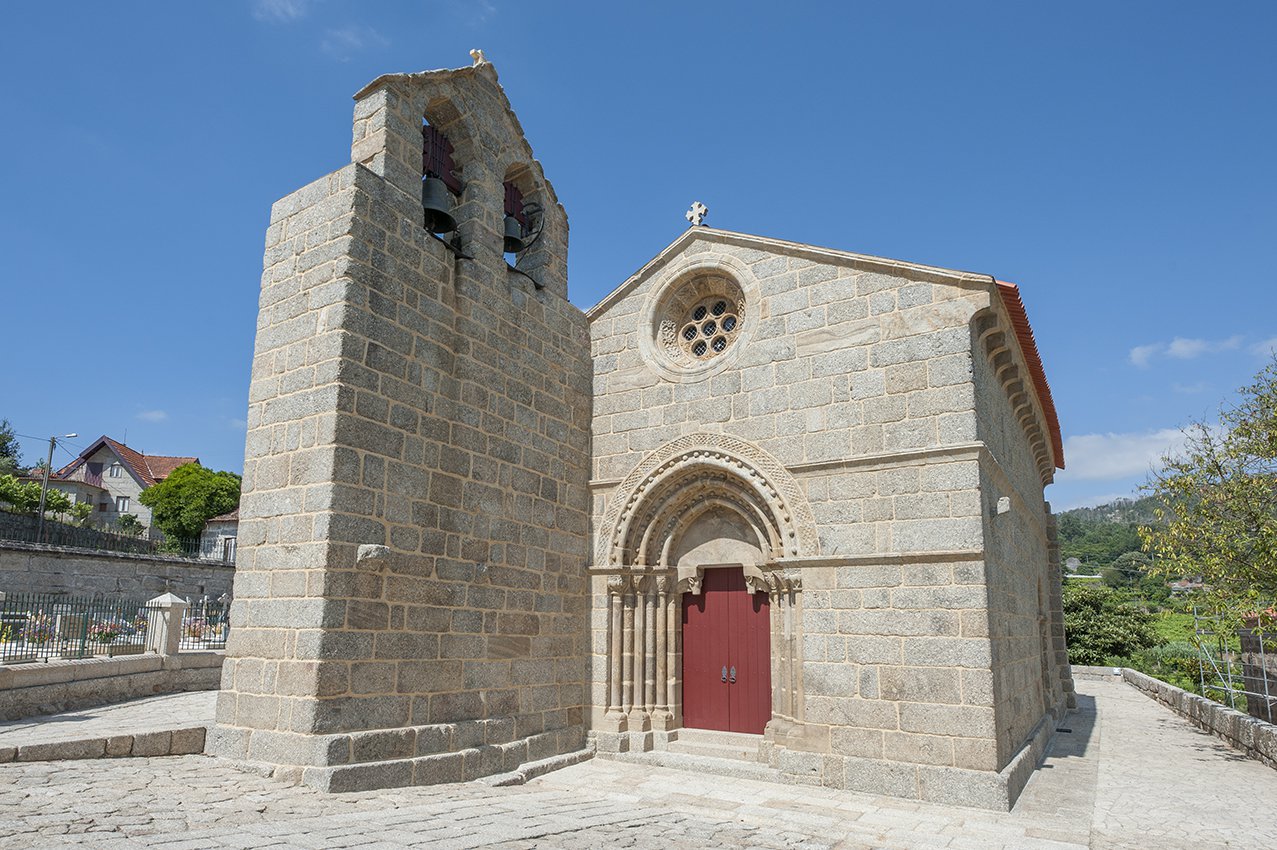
(1237, 666)
(206, 623)
(41, 627)
(24, 528)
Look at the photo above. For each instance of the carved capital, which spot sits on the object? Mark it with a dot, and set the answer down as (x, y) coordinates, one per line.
(690, 584)
(665, 584)
(618, 584)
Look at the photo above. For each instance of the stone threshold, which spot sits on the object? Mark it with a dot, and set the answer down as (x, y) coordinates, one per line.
(168, 742)
(734, 768)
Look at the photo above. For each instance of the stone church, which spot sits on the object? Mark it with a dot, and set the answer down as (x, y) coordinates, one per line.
(768, 509)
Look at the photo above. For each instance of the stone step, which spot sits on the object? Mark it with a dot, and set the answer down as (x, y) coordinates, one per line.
(168, 742)
(734, 768)
(726, 745)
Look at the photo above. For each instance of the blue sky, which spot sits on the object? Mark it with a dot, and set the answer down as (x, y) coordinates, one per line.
(1114, 159)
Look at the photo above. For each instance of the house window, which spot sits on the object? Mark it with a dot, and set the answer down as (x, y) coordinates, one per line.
(114, 470)
(121, 504)
(228, 550)
(102, 506)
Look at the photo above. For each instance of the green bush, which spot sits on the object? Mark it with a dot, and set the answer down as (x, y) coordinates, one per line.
(1102, 624)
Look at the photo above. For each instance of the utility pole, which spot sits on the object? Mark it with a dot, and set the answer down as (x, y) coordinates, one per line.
(44, 489)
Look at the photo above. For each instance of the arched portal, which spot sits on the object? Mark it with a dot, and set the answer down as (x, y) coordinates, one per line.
(694, 539)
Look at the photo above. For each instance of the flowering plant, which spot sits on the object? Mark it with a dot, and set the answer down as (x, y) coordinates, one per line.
(105, 631)
(39, 628)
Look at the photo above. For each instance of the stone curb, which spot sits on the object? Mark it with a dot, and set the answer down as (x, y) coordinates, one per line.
(172, 742)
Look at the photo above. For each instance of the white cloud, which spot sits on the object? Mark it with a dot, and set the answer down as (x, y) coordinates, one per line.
(1182, 348)
(153, 415)
(343, 42)
(1141, 354)
(1186, 349)
(280, 10)
(1108, 457)
(1265, 348)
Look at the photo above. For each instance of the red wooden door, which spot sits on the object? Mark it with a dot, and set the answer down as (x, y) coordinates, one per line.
(726, 655)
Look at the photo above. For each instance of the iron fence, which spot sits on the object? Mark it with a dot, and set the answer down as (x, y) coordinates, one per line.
(206, 623)
(38, 627)
(25, 528)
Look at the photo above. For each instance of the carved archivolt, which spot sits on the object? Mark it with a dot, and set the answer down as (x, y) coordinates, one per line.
(652, 503)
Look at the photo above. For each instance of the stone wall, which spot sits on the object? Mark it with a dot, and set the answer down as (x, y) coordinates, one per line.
(410, 601)
(29, 568)
(1021, 556)
(57, 686)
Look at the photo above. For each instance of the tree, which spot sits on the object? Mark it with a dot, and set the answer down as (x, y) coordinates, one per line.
(80, 512)
(55, 502)
(22, 497)
(129, 524)
(189, 497)
(10, 450)
(1218, 517)
(1101, 624)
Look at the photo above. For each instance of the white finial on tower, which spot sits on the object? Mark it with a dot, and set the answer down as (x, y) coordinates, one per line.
(696, 215)
(477, 56)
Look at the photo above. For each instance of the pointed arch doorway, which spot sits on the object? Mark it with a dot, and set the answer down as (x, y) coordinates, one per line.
(726, 655)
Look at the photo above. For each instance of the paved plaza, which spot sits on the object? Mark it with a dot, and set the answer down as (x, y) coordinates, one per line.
(1130, 774)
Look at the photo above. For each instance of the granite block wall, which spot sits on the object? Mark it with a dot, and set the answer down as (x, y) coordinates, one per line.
(411, 594)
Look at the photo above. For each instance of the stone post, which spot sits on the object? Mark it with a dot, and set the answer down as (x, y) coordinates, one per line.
(164, 629)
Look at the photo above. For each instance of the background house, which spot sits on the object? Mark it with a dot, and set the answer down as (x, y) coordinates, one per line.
(217, 543)
(109, 475)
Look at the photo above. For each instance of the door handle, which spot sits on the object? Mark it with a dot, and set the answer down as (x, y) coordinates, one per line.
(733, 674)
(725, 672)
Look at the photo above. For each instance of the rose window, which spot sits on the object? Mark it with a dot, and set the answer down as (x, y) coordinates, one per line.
(695, 321)
(709, 328)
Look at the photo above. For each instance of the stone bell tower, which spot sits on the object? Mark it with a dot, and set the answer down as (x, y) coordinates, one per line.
(410, 595)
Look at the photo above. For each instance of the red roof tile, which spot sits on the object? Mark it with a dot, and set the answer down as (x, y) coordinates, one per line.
(149, 469)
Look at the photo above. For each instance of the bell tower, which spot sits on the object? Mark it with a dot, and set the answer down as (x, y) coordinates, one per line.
(411, 593)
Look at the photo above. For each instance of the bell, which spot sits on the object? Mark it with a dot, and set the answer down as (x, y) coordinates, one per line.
(513, 235)
(437, 201)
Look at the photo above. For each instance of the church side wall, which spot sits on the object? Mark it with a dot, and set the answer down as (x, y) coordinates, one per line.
(1023, 586)
(860, 384)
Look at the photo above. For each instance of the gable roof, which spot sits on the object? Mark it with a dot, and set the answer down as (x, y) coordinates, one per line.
(1008, 293)
(147, 469)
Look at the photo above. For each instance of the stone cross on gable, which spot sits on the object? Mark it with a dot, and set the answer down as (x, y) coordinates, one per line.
(696, 215)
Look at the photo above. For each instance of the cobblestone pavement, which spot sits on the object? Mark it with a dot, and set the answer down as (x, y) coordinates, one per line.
(152, 714)
(1130, 775)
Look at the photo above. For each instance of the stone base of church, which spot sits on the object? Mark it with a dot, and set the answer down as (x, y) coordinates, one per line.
(392, 758)
(982, 789)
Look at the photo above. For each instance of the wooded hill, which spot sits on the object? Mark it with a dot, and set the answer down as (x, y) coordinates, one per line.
(1099, 536)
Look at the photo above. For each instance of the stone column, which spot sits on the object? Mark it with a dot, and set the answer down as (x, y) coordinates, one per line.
(627, 648)
(661, 716)
(649, 649)
(638, 712)
(164, 629)
(616, 587)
